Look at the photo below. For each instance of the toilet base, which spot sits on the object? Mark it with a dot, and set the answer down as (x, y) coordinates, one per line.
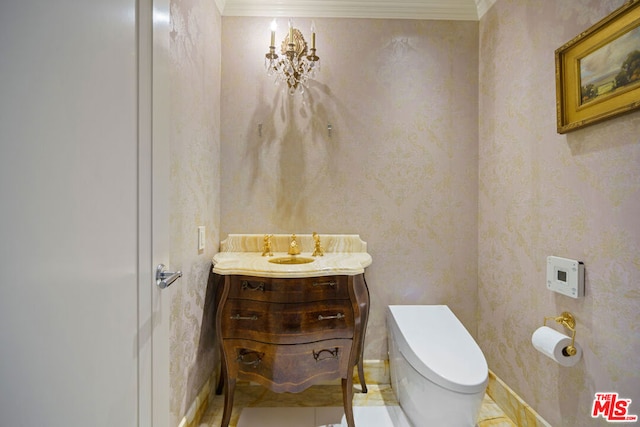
(426, 403)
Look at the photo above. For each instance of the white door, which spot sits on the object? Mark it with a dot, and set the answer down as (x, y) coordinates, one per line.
(79, 315)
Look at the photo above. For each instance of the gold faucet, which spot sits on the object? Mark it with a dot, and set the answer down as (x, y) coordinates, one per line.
(317, 251)
(294, 249)
(266, 249)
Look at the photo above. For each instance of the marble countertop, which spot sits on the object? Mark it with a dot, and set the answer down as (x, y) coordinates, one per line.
(344, 254)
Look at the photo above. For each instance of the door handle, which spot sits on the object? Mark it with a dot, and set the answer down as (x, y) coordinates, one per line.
(166, 278)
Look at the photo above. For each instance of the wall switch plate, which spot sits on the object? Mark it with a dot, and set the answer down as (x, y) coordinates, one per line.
(201, 237)
(565, 276)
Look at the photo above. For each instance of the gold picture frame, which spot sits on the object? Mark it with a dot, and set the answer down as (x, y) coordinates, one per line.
(598, 72)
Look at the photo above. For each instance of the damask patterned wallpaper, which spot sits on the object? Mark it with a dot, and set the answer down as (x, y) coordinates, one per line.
(443, 156)
(399, 165)
(195, 194)
(541, 193)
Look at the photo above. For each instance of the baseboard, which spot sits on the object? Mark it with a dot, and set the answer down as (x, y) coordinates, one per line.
(198, 407)
(375, 372)
(512, 405)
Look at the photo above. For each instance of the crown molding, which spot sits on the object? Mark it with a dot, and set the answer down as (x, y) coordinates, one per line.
(458, 10)
(221, 5)
(483, 6)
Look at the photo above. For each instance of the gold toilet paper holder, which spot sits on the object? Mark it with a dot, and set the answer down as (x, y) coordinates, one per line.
(567, 320)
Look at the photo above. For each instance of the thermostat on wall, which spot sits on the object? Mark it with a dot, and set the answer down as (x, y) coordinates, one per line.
(565, 276)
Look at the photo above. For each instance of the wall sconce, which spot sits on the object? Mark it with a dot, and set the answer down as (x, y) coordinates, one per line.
(295, 67)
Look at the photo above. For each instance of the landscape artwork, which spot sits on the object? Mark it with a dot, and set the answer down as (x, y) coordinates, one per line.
(611, 68)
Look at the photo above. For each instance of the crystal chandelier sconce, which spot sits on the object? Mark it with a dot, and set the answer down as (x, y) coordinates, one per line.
(297, 63)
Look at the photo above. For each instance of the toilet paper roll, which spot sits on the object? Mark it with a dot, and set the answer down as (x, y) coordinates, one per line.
(552, 343)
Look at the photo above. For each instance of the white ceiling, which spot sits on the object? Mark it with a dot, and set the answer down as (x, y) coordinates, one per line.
(462, 10)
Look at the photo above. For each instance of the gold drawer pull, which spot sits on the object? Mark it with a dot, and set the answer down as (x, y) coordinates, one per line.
(331, 283)
(333, 354)
(251, 358)
(246, 285)
(337, 316)
(238, 317)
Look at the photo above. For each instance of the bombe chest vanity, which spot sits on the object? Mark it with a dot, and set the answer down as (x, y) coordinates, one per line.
(290, 326)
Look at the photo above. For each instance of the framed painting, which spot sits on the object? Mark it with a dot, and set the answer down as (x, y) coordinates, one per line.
(598, 72)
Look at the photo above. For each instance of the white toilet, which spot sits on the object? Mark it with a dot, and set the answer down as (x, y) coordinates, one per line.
(438, 373)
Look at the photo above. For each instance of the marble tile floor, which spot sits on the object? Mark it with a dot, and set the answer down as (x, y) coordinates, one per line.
(321, 406)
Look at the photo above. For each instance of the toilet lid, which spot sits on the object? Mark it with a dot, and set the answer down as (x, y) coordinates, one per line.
(437, 345)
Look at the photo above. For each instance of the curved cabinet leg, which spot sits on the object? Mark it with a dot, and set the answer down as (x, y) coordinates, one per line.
(347, 399)
(363, 384)
(363, 302)
(219, 289)
(228, 402)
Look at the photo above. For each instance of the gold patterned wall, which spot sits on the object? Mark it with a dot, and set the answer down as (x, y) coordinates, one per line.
(541, 193)
(195, 194)
(399, 166)
(443, 156)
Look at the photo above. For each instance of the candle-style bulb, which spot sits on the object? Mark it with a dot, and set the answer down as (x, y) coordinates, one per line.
(290, 32)
(274, 26)
(313, 35)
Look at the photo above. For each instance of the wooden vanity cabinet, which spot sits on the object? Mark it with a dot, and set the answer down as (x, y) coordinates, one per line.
(288, 334)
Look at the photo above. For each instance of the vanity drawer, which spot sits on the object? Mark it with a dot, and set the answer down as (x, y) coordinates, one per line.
(287, 368)
(289, 290)
(287, 323)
